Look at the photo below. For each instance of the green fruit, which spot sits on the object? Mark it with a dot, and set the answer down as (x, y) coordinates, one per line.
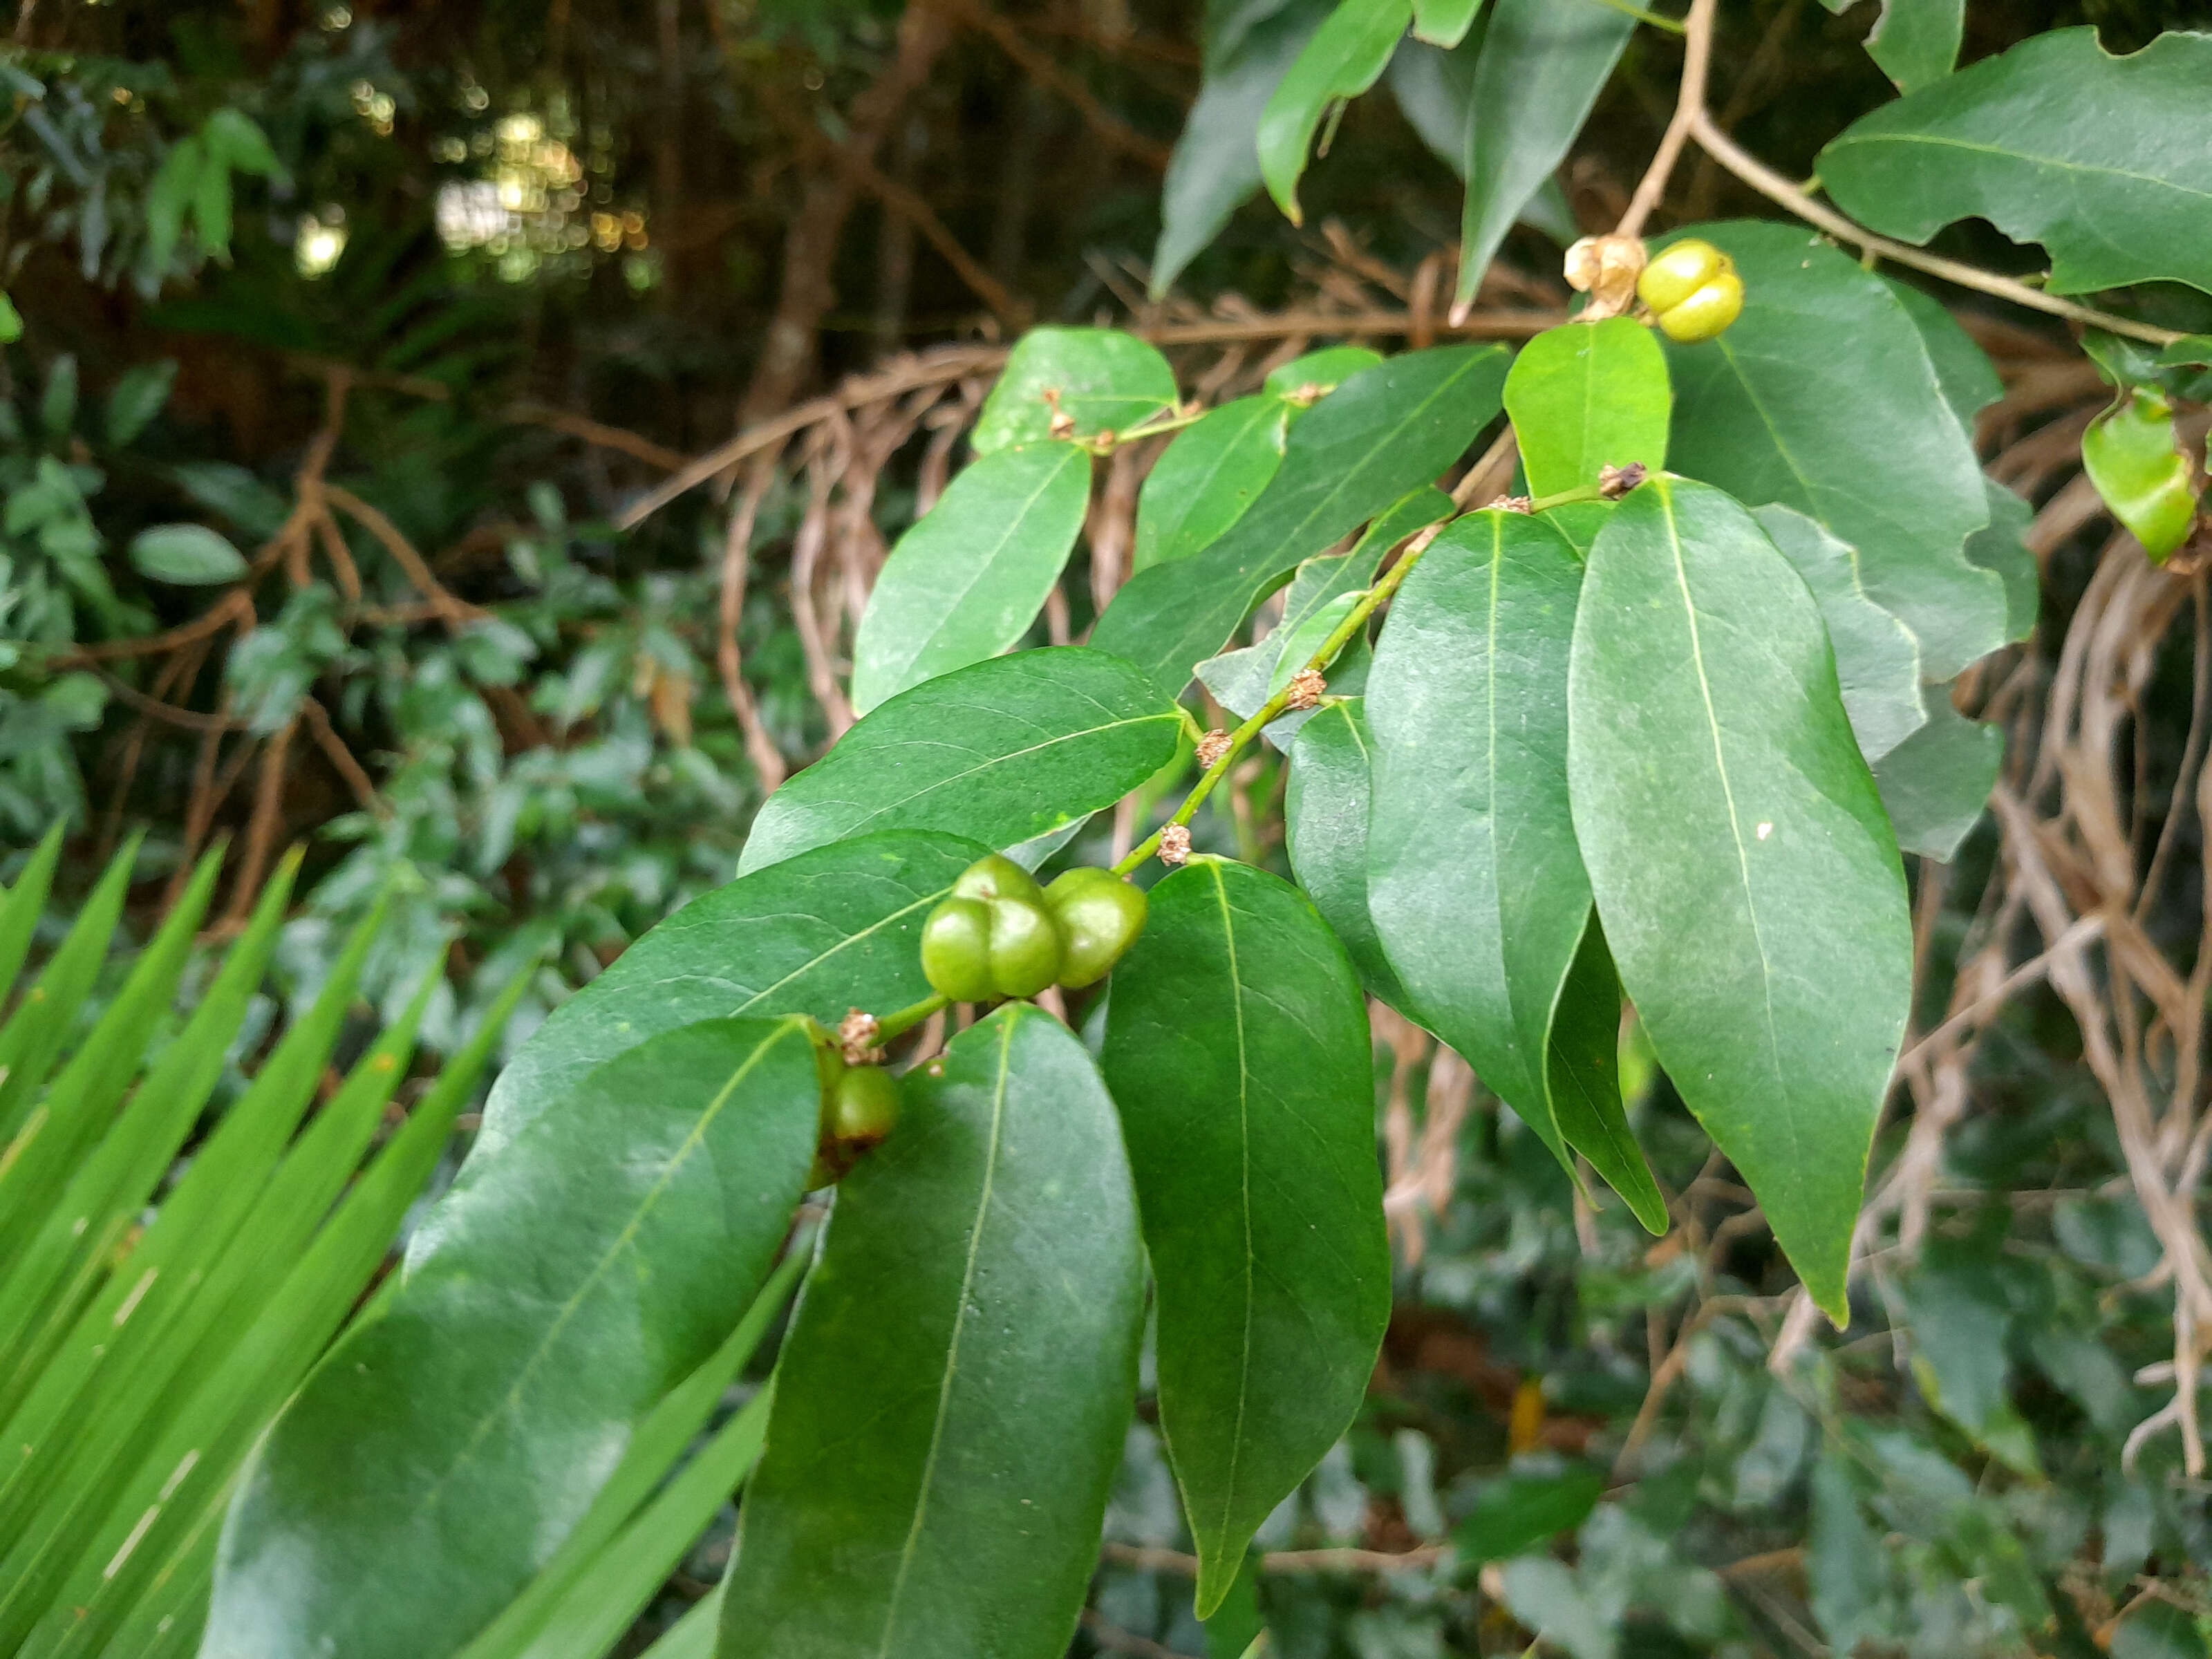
(1100, 916)
(862, 1109)
(1677, 272)
(997, 877)
(955, 949)
(1025, 947)
(824, 1174)
(1706, 313)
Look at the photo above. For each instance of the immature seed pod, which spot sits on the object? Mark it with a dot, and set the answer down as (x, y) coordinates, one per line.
(997, 877)
(1100, 916)
(1706, 313)
(1678, 271)
(955, 949)
(1024, 947)
(862, 1108)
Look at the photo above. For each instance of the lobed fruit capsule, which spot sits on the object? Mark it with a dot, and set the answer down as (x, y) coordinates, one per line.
(993, 938)
(1692, 290)
(955, 949)
(1100, 916)
(861, 1111)
(1024, 947)
(997, 877)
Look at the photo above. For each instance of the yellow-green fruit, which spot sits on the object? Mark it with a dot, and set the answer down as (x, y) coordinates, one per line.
(1706, 312)
(1677, 272)
(955, 949)
(1100, 916)
(997, 877)
(864, 1107)
(1025, 948)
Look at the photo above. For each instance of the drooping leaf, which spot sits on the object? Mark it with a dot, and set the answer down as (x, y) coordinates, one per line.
(1325, 820)
(1208, 477)
(998, 752)
(1101, 379)
(2103, 159)
(1916, 41)
(1382, 434)
(1237, 1048)
(968, 579)
(1936, 784)
(2133, 456)
(1877, 660)
(1445, 22)
(1475, 887)
(1520, 1511)
(1749, 880)
(1541, 69)
(2001, 549)
(1216, 166)
(187, 555)
(1861, 441)
(450, 1444)
(1581, 1075)
(1345, 56)
(951, 1399)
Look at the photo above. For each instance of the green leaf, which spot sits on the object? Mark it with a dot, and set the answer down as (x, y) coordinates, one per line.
(1210, 474)
(25, 905)
(1581, 1075)
(1877, 660)
(1445, 22)
(999, 752)
(1520, 1512)
(826, 931)
(1318, 372)
(952, 1399)
(1325, 818)
(1845, 1566)
(11, 321)
(1237, 1048)
(1475, 886)
(2106, 161)
(450, 1444)
(1380, 436)
(2134, 457)
(1103, 380)
(234, 141)
(1585, 396)
(1216, 164)
(1543, 65)
(1345, 56)
(1861, 441)
(1916, 41)
(137, 399)
(1748, 881)
(176, 182)
(2001, 549)
(1969, 380)
(967, 581)
(187, 555)
(46, 1015)
(1936, 784)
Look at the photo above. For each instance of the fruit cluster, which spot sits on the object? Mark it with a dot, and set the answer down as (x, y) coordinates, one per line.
(1001, 935)
(1692, 290)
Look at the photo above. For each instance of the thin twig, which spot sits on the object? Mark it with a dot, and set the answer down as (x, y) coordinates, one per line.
(1689, 105)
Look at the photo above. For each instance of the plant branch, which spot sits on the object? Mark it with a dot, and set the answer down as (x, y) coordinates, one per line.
(1269, 711)
(1777, 189)
(1689, 105)
(898, 1024)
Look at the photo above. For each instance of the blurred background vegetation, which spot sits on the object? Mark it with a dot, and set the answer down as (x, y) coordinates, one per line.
(356, 335)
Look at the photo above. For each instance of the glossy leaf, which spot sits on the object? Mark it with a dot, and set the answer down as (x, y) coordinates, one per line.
(1321, 372)
(1862, 439)
(968, 580)
(450, 1444)
(1585, 396)
(832, 929)
(2001, 549)
(1345, 56)
(1749, 880)
(1916, 41)
(1210, 474)
(1381, 434)
(1101, 379)
(999, 752)
(1325, 819)
(1542, 66)
(1968, 378)
(1474, 883)
(2134, 458)
(185, 556)
(1237, 1048)
(1445, 22)
(952, 1396)
(2106, 161)
(1877, 660)
(1216, 164)
(1936, 784)
(1581, 1075)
